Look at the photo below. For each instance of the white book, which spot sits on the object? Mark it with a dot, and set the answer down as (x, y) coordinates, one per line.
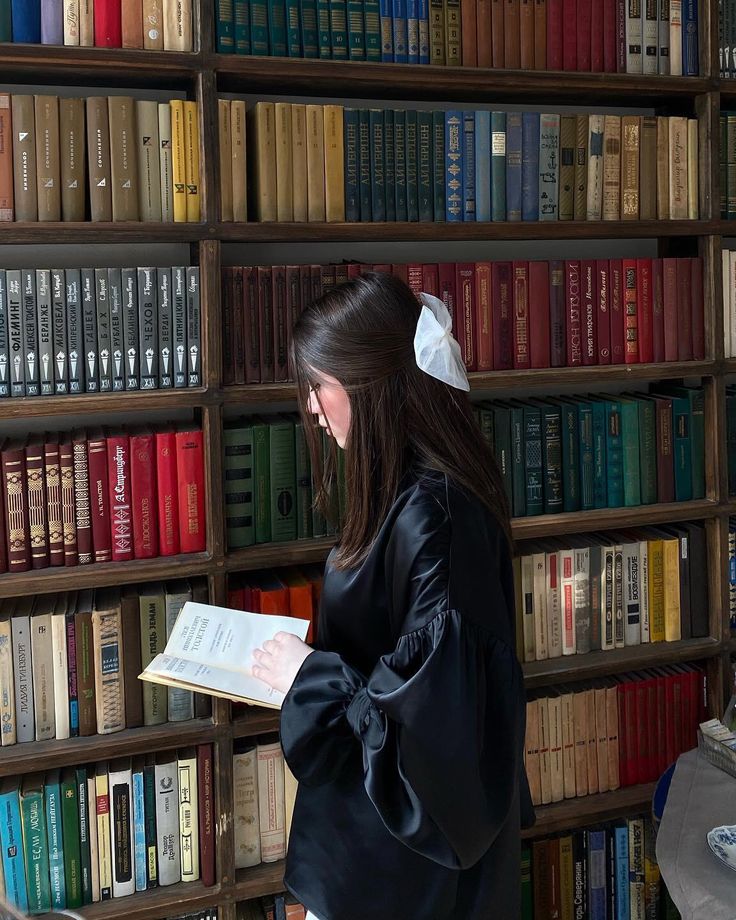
(71, 22)
(567, 600)
(167, 819)
(61, 671)
(650, 35)
(539, 588)
(180, 702)
(166, 168)
(211, 650)
(43, 669)
(619, 582)
(676, 38)
(94, 853)
(634, 63)
(8, 734)
(188, 815)
(23, 677)
(554, 616)
(644, 588)
(271, 806)
(582, 600)
(246, 822)
(726, 273)
(663, 15)
(632, 595)
(594, 205)
(527, 600)
(120, 779)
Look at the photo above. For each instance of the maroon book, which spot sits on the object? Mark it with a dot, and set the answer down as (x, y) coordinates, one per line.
(644, 301)
(431, 279)
(603, 306)
(280, 324)
(205, 788)
(143, 492)
(294, 297)
(401, 271)
(657, 311)
(99, 495)
(414, 278)
(68, 504)
(251, 328)
(609, 36)
(81, 498)
(589, 311)
(539, 319)
(669, 296)
(570, 35)
(554, 34)
(484, 38)
(596, 36)
(573, 314)
(228, 327)
(465, 291)
(557, 314)
(238, 327)
(447, 293)
(3, 537)
(512, 34)
(118, 472)
(305, 283)
(583, 27)
(315, 274)
(520, 294)
(618, 320)
(502, 314)
(265, 323)
(52, 468)
(621, 36)
(15, 494)
(469, 35)
(696, 301)
(36, 485)
(483, 322)
(684, 315)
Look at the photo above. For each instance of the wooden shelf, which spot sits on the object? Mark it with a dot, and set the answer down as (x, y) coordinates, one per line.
(268, 878)
(88, 403)
(590, 809)
(15, 758)
(172, 901)
(43, 581)
(267, 555)
(256, 721)
(39, 233)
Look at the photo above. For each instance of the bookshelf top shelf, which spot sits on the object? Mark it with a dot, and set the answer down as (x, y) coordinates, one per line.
(89, 403)
(44, 232)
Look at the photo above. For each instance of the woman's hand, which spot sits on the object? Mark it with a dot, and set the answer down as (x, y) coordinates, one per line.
(279, 660)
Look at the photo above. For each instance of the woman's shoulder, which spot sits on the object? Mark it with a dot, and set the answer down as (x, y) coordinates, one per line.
(436, 496)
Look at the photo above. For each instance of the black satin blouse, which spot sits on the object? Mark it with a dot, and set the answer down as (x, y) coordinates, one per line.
(406, 728)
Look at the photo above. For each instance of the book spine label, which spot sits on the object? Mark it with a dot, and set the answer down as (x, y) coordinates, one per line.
(30, 333)
(147, 328)
(45, 338)
(74, 332)
(131, 342)
(89, 328)
(117, 330)
(194, 327)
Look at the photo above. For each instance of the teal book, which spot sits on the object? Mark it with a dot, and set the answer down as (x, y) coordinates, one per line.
(293, 29)
(502, 446)
(310, 33)
(600, 471)
(695, 397)
(238, 484)
(551, 433)
(259, 28)
(276, 28)
(224, 26)
(11, 843)
(570, 441)
(630, 452)
(438, 164)
(530, 166)
(647, 451)
(549, 166)
(518, 472)
(35, 840)
(483, 166)
(412, 186)
(6, 25)
(70, 824)
(425, 183)
(364, 166)
(454, 165)
(389, 162)
(283, 479)
(323, 29)
(303, 484)
(614, 454)
(681, 448)
(85, 853)
(261, 481)
(241, 17)
(52, 796)
(356, 30)
(351, 129)
(378, 173)
(400, 164)
(468, 166)
(586, 478)
(498, 166)
(339, 30)
(533, 460)
(372, 30)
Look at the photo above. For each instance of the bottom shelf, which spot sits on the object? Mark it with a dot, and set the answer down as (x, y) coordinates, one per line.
(171, 901)
(590, 809)
(268, 878)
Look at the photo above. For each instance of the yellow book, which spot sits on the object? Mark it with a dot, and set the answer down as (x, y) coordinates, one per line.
(104, 841)
(656, 590)
(671, 552)
(240, 160)
(226, 159)
(188, 811)
(263, 162)
(334, 164)
(692, 168)
(284, 178)
(315, 164)
(299, 160)
(567, 893)
(178, 160)
(191, 142)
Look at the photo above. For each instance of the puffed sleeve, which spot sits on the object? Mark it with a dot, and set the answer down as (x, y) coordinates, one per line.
(440, 719)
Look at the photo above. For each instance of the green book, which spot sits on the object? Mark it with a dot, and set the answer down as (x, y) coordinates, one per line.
(85, 854)
(586, 454)
(241, 19)
(310, 34)
(293, 29)
(533, 460)
(527, 892)
(283, 479)
(339, 30)
(389, 162)
(518, 475)
(149, 805)
(261, 481)
(551, 433)
(647, 451)
(6, 27)
(438, 164)
(35, 847)
(356, 30)
(72, 849)
(323, 29)
(502, 446)
(570, 440)
(303, 484)
(225, 24)
(425, 172)
(631, 468)
(52, 798)
(412, 188)
(276, 28)
(238, 486)
(364, 166)
(378, 175)
(484, 417)
(400, 164)
(152, 610)
(695, 397)
(259, 27)
(372, 29)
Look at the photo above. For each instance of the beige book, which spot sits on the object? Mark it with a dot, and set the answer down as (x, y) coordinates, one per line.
(104, 836)
(43, 668)
(246, 823)
(594, 201)
(240, 161)
(539, 582)
(6, 159)
(531, 751)
(165, 162)
(678, 168)
(591, 749)
(581, 743)
(71, 22)
(24, 157)
(663, 167)
(263, 161)
(149, 166)
(98, 159)
(47, 157)
(601, 732)
(86, 23)
(73, 159)
(94, 853)
(554, 709)
(271, 806)
(188, 814)
(568, 743)
(554, 615)
(107, 641)
(630, 142)
(612, 729)
(299, 161)
(123, 150)
(648, 168)
(545, 776)
(692, 169)
(290, 789)
(178, 161)
(315, 163)
(611, 167)
(671, 553)
(61, 668)
(177, 25)
(152, 610)
(191, 142)
(334, 164)
(284, 175)
(8, 733)
(153, 25)
(226, 159)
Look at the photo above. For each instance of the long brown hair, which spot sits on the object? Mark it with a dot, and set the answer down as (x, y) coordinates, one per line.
(362, 333)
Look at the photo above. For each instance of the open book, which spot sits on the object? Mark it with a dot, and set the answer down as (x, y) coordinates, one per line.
(210, 650)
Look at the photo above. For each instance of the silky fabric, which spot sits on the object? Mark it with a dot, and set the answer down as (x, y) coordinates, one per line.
(405, 729)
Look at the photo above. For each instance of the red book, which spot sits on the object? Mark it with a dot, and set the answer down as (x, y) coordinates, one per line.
(644, 311)
(108, 24)
(554, 34)
(36, 484)
(190, 472)
(483, 321)
(265, 323)
(570, 35)
(669, 292)
(631, 354)
(3, 535)
(696, 302)
(118, 471)
(251, 326)
(15, 494)
(379, 269)
(631, 727)
(589, 312)
(521, 315)
(539, 324)
(618, 326)
(465, 290)
(400, 271)
(671, 714)
(497, 35)
(143, 492)
(603, 306)
(446, 292)
(540, 35)
(354, 270)
(621, 36)
(583, 26)
(430, 279)
(660, 722)
(573, 318)
(82, 498)
(512, 34)
(503, 334)
(205, 788)
(235, 594)
(679, 702)
(228, 325)
(642, 734)
(469, 34)
(557, 313)
(166, 490)
(684, 315)
(657, 311)
(68, 510)
(238, 327)
(269, 594)
(609, 36)
(99, 496)
(414, 278)
(596, 37)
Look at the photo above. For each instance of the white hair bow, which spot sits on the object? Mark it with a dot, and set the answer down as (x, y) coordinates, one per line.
(437, 352)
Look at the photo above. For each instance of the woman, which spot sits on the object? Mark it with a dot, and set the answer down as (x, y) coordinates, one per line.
(405, 725)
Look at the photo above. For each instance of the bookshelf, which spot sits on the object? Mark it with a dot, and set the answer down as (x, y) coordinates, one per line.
(204, 75)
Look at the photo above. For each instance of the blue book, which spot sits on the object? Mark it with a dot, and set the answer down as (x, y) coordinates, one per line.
(425, 167)
(378, 174)
(690, 38)
(339, 30)
(483, 166)
(597, 875)
(11, 840)
(469, 166)
(438, 163)
(389, 162)
(498, 166)
(364, 166)
(412, 31)
(513, 166)
(324, 35)
(412, 166)
(423, 31)
(454, 165)
(400, 32)
(52, 22)
(621, 833)
(293, 29)
(277, 28)
(387, 31)
(351, 129)
(400, 164)
(52, 795)
(26, 20)
(530, 166)
(139, 828)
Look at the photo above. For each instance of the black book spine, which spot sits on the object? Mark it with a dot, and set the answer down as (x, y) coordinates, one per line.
(194, 344)
(61, 340)
(130, 320)
(45, 337)
(165, 338)
(30, 332)
(580, 875)
(89, 330)
(178, 285)
(75, 334)
(117, 332)
(122, 815)
(15, 334)
(102, 294)
(4, 344)
(148, 328)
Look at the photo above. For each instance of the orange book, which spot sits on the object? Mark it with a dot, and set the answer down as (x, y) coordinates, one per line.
(469, 34)
(526, 34)
(268, 594)
(132, 23)
(484, 36)
(6, 159)
(511, 34)
(301, 598)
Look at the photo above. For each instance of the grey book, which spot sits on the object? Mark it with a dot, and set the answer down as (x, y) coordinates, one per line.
(130, 317)
(60, 351)
(104, 342)
(180, 702)
(4, 344)
(194, 343)
(15, 334)
(165, 330)
(74, 334)
(45, 339)
(23, 675)
(89, 330)
(148, 328)
(117, 331)
(178, 287)
(549, 166)
(30, 332)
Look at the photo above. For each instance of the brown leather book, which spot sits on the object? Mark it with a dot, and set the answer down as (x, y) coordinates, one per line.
(526, 34)
(73, 162)
(663, 167)
(648, 168)
(226, 159)
(131, 13)
(580, 200)
(6, 159)
(15, 494)
(239, 163)
(511, 34)
(131, 630)
(98, 156)
(36, 484)
(24, 157)
(153, 25)
(611, 167)
(469, 33)
(52, 470)
(47, 157)
(124, 158)
(497, 33)
(84, 647)
(630, 140)
(68, 504)
(540, 34)
(485, 35)
(81, 497)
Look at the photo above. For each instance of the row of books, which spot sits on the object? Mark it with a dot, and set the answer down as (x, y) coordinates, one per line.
(156, 25)
(620, 37)
(732, 572)
(408, 165)
(506, 315)
(607, 872)
(606, 591)
(731, 437)
(101, 495)
(289, 591)
(275, 907)
(87, 834)
(73, 660)
(101, 330)
(611, 732)
(102, 158)
(727, 164)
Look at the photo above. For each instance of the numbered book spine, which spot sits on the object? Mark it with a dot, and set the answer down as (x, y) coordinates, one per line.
(147, 328)
(129, 282)
(178, 286)
(30, 333)
(45, 337)
(165, 330)
(89, 330)
(104, 341)
(4, 341)
(167, 820)
(117, 329)
(15, 334)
